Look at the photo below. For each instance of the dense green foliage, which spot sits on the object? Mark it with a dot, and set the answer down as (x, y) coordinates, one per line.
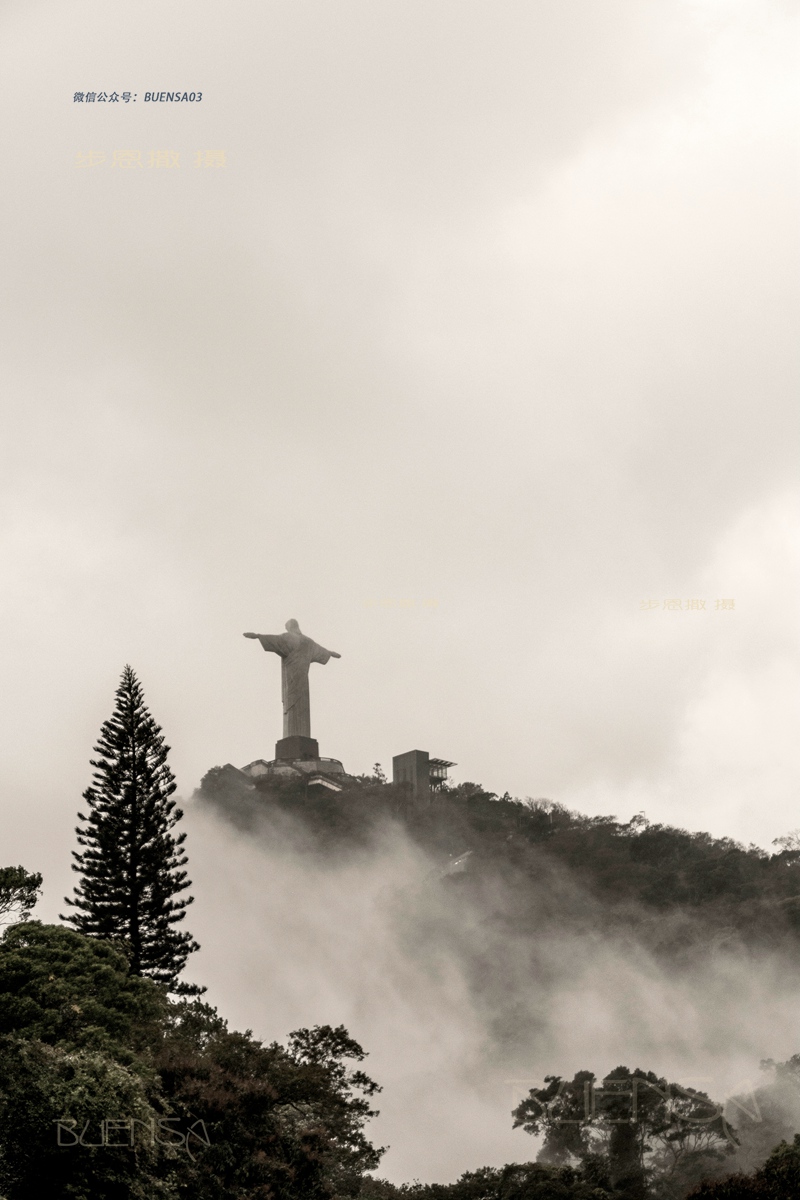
(131, 862)
(65, 989)
(517, 1181)
(42, 1085)
(283, 1122)
(78, 1033)
(87, 1047)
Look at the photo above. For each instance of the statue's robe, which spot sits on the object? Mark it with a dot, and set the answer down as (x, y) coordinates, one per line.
(297, 654)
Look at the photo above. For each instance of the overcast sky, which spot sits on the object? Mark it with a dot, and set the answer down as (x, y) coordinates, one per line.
(484, 335)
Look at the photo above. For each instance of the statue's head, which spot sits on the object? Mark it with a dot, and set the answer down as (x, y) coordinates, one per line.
(292, 626)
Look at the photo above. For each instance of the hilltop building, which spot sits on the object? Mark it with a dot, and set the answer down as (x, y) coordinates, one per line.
(420, 773)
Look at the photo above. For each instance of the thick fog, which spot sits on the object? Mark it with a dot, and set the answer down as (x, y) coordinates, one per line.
(459, 1018)
(476, 353)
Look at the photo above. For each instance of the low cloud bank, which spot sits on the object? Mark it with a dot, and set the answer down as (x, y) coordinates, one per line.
(461, 1003)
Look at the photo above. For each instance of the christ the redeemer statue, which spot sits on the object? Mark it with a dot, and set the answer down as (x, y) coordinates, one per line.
(297, 653)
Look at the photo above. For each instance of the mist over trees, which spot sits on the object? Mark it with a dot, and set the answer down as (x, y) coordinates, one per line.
(531, 871)
(777, 1179)
(118, 1083)
(680, 893)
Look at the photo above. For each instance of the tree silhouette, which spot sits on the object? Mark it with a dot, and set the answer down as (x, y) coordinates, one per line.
(131, 861)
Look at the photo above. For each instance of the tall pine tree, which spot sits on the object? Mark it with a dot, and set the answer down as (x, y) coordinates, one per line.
(131, 861)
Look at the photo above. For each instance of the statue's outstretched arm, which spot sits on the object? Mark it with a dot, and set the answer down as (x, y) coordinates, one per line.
(270, 641)
(321, 655)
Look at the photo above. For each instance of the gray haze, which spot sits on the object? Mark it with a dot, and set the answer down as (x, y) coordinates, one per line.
(485, 334)
(493, 306)
(461, 1015)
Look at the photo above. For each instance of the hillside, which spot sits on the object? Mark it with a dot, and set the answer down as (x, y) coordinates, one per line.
(679, 892)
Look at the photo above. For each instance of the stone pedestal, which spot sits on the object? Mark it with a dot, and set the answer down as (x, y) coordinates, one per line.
(296, 747)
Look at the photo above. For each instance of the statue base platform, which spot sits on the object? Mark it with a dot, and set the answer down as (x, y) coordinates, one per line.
(296, 747)
(326, 773)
